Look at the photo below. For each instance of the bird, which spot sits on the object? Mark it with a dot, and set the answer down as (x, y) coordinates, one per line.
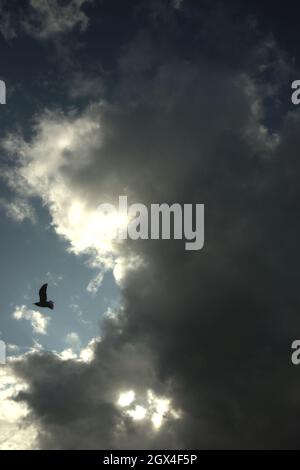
(43, 298)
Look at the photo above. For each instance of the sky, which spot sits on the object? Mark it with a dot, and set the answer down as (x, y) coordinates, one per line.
(149, 346)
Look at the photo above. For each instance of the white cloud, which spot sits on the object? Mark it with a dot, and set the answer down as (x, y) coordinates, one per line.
(87, 354)
(75, 352)
(137, 413)
(95, 283)
(126, 398)
(38, 321)
(67, 354)
(73, 340)
(18, 210)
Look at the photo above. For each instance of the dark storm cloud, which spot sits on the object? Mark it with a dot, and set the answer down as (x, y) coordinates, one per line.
(74, 404)
(6, 27)
(210, 329)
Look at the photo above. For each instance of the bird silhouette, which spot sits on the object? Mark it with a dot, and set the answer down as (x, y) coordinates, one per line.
(43, 298)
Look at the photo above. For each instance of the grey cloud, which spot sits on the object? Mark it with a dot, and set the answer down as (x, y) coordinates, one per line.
(47, 19)
(81, 411)
(6, 22)
(82, 86)
(42, 19)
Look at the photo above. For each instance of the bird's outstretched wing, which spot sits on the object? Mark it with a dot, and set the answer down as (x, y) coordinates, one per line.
(43, 293)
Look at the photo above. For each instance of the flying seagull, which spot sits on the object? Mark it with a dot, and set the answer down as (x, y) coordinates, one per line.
(43, 298)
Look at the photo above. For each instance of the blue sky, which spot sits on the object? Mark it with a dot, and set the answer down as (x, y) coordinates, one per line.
(33, 254)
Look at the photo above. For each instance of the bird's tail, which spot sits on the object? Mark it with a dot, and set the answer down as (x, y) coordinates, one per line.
(51, 305)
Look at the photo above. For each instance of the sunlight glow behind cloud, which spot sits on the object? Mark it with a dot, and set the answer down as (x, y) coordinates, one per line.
(13, 435)
(154, 408)
(63, 145)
